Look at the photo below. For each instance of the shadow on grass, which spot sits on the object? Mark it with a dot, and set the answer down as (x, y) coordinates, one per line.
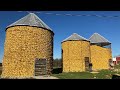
(57, 70)
(115, 77)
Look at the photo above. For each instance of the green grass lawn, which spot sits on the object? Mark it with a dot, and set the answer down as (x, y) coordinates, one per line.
(103, 74)
(74, 75)
(117, 66)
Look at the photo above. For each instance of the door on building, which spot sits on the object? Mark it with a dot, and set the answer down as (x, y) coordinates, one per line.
(40, 67)
(87, 63)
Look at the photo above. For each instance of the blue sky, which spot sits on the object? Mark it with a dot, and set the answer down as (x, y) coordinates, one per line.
(64, 26)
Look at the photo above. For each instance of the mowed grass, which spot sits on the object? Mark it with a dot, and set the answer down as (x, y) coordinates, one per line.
(103, 74)
(117, 66)
(74, 75)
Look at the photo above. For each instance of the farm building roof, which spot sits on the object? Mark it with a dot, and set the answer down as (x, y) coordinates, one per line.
(30, 20)
(97, 38)
(75, 36)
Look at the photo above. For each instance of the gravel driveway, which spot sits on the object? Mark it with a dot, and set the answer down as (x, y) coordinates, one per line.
(35, 77)
(45, 77)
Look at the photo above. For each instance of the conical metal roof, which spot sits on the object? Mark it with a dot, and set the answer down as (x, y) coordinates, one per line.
(75, 36)
(97, 38)
(30, 20)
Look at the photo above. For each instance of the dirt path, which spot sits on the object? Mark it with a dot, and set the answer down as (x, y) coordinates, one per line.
(36, 77)
(45, 77)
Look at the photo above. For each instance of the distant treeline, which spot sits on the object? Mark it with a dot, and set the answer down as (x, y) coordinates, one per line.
(57, 63)
(0, 64)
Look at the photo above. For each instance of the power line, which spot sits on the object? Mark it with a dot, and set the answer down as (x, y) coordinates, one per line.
(58, 14)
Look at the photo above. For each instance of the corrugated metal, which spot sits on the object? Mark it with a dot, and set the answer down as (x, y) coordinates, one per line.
(31, 20)
(97, 38)
(75, 36)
